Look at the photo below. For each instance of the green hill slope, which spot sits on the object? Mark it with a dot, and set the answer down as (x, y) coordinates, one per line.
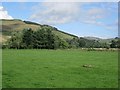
(9, 26)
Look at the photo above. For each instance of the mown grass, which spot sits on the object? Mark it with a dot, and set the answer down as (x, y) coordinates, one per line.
(59, 69)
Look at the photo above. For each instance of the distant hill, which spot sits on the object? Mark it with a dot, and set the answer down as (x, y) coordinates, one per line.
(92, 38)
(100, 39)
(9, 26)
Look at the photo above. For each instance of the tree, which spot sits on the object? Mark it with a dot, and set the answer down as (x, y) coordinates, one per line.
(38, 39)
(28, 38)
(15, 41)
(118, 43)
(113, 44)
(73, 43)
(50, 39)
(82, 42)
(44, 39)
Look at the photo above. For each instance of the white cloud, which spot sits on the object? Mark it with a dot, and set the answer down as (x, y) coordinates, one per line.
(96, 12)
(59, 0)
(110, 26)
(56, 13)
(93, 22)
(91, 15)
(4, 14)
(63, 12)
(53, 13)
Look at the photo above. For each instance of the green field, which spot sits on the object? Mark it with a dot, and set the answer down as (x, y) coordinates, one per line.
(59, 69)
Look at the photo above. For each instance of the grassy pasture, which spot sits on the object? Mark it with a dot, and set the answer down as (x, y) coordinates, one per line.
(59, 69)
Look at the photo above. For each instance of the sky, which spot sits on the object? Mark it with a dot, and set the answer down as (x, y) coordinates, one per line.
(96, 19)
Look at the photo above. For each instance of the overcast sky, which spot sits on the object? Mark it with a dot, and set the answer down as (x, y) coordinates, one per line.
(98, 19)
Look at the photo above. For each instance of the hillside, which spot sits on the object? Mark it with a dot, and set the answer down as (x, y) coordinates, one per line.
(9, 26)
(60, 39)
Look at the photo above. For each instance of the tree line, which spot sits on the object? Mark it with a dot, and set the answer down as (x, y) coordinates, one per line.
(44, 38)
